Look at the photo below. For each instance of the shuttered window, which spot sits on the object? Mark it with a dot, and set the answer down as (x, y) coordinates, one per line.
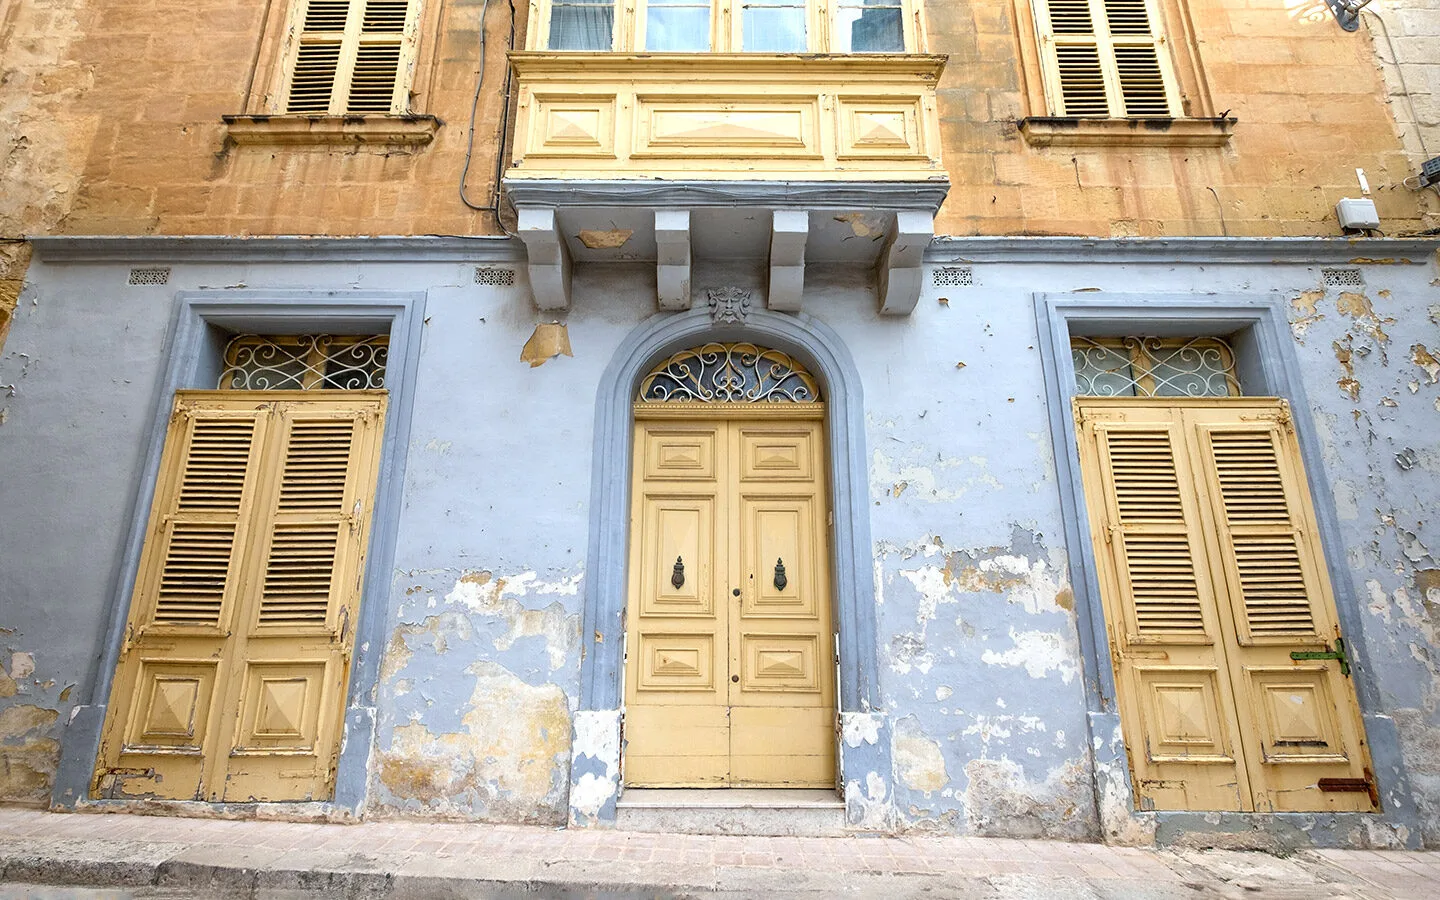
(351, 57)
(1221, 621)
(1106, 59)
(237, 651)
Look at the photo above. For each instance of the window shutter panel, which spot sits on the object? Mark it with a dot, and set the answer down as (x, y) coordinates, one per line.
(310, 517)
(317, 61)
(1153, 539)
(1262, 533)
(1103, 59)
(199, 528)
(383, 31)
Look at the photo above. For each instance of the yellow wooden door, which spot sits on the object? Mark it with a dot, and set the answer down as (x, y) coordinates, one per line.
(1213, 582)
(231, 682)
(729, 638)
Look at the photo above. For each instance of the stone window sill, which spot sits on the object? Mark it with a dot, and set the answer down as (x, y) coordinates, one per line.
(1045, 131)
(301, 130)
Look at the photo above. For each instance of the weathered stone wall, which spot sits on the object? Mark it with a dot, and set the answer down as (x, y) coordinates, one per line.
(982, 677)
(1406, 37)
(112, 125)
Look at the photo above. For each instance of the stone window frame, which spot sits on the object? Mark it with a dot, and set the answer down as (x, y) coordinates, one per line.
(1196, 125)
(201, 325)
(1267, 365)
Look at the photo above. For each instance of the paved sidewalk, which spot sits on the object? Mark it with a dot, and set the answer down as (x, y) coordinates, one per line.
(152, 857)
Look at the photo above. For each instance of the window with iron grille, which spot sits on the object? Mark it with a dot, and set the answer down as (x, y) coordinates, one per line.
(1153, 367)
(305, 362)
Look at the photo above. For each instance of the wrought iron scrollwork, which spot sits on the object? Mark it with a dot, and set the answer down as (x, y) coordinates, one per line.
(730, 373)
(305, 362)
(1154, 367)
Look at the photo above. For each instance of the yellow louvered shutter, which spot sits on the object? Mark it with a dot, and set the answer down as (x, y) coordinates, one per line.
(1302, 731)
(232, 683)
(1221, 621)
(1174, 690)
(163, 708)
(1104, 58)
(352, 57)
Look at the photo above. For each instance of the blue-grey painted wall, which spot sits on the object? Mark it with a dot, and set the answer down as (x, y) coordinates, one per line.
(982, 678)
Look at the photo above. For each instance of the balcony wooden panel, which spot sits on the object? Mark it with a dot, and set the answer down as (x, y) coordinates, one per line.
(727, 116)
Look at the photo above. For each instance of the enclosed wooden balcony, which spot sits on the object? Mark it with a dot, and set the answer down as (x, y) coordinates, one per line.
(726, 116)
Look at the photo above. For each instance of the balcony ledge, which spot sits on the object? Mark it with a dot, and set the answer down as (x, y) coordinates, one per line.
(1046, 131)
(302, 130)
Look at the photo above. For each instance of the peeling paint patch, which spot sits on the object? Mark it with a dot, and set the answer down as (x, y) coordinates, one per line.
(1421, 356)
(483, 593)
(919, 764)
(507, 764)
(28, 759)
(610, 239)
(1001, 802)
(1345, 354)
(1305, 312)
(597, 739)
(1039, 652)
(549, 340)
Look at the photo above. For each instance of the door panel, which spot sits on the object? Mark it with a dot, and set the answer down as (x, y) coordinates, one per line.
(729, 676)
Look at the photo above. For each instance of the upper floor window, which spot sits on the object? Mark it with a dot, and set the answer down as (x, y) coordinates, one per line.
(349, 57)
(1105, 59)
(728, 26)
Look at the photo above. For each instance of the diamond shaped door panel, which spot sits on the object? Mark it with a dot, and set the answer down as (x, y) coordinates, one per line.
(778, 558)
(1183, 716)
(677, 662)
(776, 454)
(779, 662)
(677, 556)
(172, 706)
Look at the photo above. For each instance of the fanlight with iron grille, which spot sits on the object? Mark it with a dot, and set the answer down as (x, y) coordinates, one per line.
(730, 373)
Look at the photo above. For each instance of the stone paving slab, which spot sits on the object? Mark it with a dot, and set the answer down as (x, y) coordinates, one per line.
(52, 856)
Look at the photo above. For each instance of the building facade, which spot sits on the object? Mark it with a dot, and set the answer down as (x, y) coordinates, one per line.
(971, 416)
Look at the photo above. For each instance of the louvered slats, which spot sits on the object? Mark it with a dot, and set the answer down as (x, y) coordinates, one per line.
(1127, 17)
(1249, 474)
(214, 475)
(1141, 85)
(193, 574)
(372, 88)
(298, 574)
(1162, 584)
(1272, 585)
(326, 15)
(1142, 464)
(385, 16)
(313, 82)
(317, 465)
(1082, 83)
(1070, 17)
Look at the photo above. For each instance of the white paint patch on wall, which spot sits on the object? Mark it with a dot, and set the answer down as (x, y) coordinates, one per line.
(1039, 652)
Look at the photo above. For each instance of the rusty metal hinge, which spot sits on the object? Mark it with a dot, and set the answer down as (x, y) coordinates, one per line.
(1364, 785)
(1338, 654)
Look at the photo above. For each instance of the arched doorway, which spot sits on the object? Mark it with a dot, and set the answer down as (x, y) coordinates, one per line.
(729, 670)
(864, 743)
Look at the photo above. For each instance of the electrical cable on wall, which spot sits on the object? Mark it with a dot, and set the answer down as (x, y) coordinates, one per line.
(494, 205)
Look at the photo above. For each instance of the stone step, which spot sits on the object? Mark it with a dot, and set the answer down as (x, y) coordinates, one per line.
(755, 811)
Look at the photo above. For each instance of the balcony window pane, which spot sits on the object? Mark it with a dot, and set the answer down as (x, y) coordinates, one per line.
(774, 26)
(869, 26)
(582, 24)
(677, 26)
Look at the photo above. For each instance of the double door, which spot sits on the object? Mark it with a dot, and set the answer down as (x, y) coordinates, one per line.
(730, 663)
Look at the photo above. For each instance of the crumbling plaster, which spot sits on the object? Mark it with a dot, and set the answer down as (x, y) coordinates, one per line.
(982, 680)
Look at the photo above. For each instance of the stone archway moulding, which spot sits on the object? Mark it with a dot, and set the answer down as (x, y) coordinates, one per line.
(865, 742)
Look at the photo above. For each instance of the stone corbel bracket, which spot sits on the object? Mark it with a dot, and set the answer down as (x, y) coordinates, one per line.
(900, 273)
(548, 254)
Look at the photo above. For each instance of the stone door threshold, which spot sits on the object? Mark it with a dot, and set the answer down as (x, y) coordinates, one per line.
(729, 798)
(750, 811)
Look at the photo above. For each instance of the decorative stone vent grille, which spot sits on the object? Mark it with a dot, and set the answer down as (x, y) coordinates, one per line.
(954, 276)
(1343, 278)
(150, 275)
(494, 277)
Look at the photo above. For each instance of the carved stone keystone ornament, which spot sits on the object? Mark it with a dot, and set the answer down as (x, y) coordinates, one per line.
(729, 304)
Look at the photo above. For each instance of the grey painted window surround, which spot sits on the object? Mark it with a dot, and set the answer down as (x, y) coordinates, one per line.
(1267, 366)
(201, 322)
(821, 350)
